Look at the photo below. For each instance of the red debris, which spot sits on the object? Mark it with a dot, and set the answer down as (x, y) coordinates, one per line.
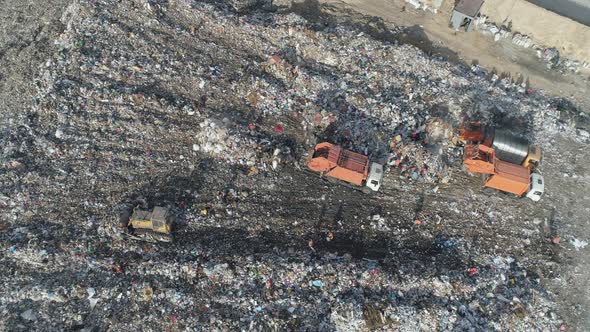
(252, 126)
(278, 128)
(556, 240)
(173, 319)
(276, 59)
(563, 327)
(472, 271)
(317, 119)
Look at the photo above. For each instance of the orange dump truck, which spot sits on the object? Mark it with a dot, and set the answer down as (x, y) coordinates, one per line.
(504, 176)
(334, 161)
(507, 147)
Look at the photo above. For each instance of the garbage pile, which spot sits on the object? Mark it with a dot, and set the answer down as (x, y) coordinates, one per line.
(522, 40)
(196, 105)
(426, 5)
(212, 138)
(234, 144)
(489, 28)
(554, 60)
(205, 290)
(550, 55)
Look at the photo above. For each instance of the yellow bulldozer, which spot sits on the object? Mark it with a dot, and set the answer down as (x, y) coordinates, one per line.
(151, 226)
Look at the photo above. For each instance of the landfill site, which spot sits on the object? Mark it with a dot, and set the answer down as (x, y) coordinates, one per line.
(191, 165)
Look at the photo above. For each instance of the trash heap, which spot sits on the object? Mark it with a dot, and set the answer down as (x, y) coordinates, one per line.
(220, 140)
(212, 138)
(195, 105)
(426, 153)
(241, 146)
(426, 5)
(548, 54)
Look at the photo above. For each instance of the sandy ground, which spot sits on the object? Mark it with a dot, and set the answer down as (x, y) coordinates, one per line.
(431, 33)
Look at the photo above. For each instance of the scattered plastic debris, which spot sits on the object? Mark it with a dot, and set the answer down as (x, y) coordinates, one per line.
(212, 111)
(579, 244)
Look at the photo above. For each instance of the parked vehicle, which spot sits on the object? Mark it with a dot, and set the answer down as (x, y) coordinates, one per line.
(507, 147)
(351, 167)
(503, 175)
(155, 225)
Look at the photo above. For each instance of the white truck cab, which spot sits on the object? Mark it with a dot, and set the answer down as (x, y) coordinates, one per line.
(375, 176)
(537, 187)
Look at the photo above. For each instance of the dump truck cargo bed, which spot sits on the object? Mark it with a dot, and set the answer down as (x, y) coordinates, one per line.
(334, 161)
(510, 178)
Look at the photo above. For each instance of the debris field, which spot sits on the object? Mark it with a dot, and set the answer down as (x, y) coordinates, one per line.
(212, 111)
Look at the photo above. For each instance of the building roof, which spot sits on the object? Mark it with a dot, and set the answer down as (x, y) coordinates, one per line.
(469, 7)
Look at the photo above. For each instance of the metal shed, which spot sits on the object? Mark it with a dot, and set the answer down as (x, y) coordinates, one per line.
(464, 13)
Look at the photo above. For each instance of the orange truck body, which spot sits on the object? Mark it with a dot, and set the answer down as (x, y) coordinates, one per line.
(504, 176)
(331, 160)
(509, 177)
(507, 147)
